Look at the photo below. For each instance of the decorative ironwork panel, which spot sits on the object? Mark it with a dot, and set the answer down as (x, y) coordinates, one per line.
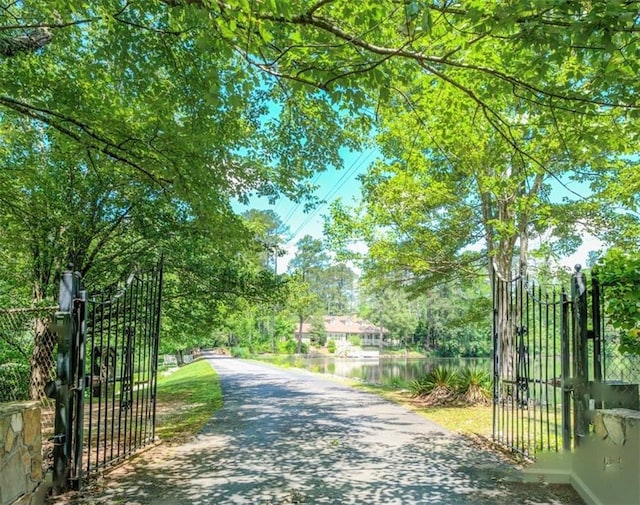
(555, 361)
(121, 361)
(528, 366)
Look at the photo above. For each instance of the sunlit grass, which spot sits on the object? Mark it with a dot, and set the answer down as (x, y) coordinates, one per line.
(186, 401)
(464, 420)
(459, 419)
(476, 423)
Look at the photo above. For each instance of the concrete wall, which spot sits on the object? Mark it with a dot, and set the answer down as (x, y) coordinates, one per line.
(20, 452)
(605, 467)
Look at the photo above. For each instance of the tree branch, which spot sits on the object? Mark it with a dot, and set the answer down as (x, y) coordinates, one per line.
(96, 141)
(32, 41)
(318, 5)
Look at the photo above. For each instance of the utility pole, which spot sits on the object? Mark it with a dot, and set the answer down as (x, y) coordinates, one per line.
(273, 308)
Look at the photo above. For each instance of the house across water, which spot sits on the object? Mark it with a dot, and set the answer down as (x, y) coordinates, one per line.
(345, 331)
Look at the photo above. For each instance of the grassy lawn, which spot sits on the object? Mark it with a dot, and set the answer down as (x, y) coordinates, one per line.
(464, 420)
(470, 421)
(186, 400)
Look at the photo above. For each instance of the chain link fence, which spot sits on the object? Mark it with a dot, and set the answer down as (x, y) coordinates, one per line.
(623, 368)
(619, 383)
(27, 361)
(621, 374)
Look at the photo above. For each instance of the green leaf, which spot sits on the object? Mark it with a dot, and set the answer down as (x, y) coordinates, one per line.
(425, 21)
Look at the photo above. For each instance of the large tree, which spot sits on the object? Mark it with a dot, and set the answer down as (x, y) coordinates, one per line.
(302, 303)
(332, 283)
(138, 85)
(310, 260)
(63, 208)
(124, 137)
(268, 81)
(339, 291)
(270, 235)
(453, 194)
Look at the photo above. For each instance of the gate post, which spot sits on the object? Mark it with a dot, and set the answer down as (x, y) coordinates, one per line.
(566, 373)
(580, 355)
(65, 325)
(78, 377)
(597, 330)
(496, 359)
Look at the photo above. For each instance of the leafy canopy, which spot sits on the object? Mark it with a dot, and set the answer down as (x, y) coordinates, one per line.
(619, 272)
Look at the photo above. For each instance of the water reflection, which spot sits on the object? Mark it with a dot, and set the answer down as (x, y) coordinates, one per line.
(396, 371)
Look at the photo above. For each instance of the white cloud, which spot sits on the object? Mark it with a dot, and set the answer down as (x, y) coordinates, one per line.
(589, 243)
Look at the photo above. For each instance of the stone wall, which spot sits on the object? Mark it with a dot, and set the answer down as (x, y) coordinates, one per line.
(20, 452)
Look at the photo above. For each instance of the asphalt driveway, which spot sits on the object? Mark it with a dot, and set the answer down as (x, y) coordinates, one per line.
(286, 436)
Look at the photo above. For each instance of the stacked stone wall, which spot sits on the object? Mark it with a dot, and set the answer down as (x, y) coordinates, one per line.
(20, 452)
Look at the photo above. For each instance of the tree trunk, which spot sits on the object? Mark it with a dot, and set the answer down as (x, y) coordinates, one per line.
(299, 339)
(502, 253)
(504, 325)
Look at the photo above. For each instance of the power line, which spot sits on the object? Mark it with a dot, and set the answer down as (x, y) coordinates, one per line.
(337, 186)
(295, 207)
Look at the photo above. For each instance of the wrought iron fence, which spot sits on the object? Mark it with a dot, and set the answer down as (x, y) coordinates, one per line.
(91, 362)
(121, 370)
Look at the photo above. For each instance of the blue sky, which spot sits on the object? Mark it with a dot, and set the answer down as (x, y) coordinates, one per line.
(332, 184)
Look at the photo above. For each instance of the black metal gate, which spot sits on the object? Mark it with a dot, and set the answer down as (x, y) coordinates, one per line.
(107, 374)
(546, 362)
(555, 361)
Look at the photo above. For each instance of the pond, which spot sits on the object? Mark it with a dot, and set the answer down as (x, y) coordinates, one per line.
(385, 370)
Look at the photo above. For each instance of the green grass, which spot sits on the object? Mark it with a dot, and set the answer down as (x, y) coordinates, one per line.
(469, 421)
(186, 401)
(463, 420)
(476, 423)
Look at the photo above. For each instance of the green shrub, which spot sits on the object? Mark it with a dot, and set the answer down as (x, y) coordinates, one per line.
(14, 382)
(474, 386)
(397, 383)
(446, 386)
(439, 377)
(438, 387)
(290, 346)
(420, 386)
(240, 352)
(443, 376)
(331, 346)
(287, 346)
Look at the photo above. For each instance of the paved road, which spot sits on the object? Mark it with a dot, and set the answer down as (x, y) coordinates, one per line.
(294, 437)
